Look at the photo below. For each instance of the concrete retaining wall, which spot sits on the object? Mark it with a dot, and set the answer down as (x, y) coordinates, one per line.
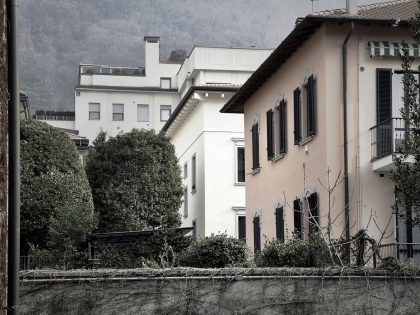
(220, 291)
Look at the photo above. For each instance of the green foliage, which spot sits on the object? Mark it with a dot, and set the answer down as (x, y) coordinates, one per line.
(136, 181)
(56, 202)
(294, 252)
(158, 251)
(177, 55)
(407, 172)
(215, 251)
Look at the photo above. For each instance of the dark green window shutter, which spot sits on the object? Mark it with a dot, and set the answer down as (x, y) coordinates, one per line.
(282, 127)
(314, 211)
(297, 114)
(383, 94)
(311, 103)
(270, 138)
(279, 223)
(297, 218)
(257, 234)
(255, 147)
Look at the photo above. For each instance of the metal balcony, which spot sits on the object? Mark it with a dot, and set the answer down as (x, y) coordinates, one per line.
(386, 139)
(401, 251)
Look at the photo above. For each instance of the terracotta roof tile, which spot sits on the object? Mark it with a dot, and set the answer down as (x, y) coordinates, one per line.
(396, 9)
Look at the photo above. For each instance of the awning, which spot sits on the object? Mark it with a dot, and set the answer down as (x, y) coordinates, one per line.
(385, 49)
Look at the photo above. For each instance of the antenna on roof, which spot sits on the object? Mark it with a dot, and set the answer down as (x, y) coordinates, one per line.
(313, 4)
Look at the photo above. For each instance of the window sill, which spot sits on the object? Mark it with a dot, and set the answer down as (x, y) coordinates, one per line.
(94, 119)
(278, 157)
(256, 170)
(239, 184)
(306, 140)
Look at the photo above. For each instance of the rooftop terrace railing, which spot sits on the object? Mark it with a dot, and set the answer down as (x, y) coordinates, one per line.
(110, 70)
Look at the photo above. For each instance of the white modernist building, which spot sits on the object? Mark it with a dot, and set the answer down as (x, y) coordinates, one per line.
(118, 99)
(208, 144)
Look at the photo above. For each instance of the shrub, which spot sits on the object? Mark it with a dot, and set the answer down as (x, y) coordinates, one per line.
(136, 181)
(294, 252)
(158, 251)
(56, 201)
(215, 251)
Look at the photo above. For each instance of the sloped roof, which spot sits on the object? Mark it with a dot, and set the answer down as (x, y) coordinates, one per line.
(397, 12)
(397, 9)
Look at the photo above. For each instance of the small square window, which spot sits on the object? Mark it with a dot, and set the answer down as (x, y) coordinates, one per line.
(165, 112)
(165, 83)
(117, 111)
(143, 113)
(94, 111)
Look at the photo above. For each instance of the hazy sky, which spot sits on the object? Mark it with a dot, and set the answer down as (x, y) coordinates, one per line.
(57, 35)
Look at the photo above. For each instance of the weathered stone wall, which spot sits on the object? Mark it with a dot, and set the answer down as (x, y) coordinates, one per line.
(223, 291)
(3, 156)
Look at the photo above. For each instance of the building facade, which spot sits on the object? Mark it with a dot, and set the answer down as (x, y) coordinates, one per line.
(209, 145)
(322, 124)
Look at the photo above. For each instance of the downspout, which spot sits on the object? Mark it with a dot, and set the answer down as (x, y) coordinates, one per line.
(346, 163)
(14, 160)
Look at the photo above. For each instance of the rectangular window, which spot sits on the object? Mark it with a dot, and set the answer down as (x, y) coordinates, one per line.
(240, 164)
(165, 112)
(242, 227)
(279, 223)
(270, 135)
(313, 213)
(304, 103)
(255, 147)
(185, 202)
(383, 95)
(296, 115)
(282, 127)
(165, 83)
(257, 234)
(117, 111)
(193, 174)
(143, 112)
(297, 218)
(94, 111)
(194, 232)
(185, 170)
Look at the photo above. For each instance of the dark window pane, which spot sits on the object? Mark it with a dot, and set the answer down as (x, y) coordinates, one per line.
(241, 164)
(241, 227)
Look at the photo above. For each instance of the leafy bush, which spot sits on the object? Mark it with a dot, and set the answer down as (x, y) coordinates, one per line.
(215, 251)
(56, 202)
(158, 251)
(294, 252)
(136, 181)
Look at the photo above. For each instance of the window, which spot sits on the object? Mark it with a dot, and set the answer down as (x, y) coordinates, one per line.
(279, 223)
(142, 112)
(240, 164)
(297, 218)
(257, 234)
(117, 111)
(94, 111)
(193, 174)
(270, 135)
(255, 147)
(194, 232)
(185, 202)
(241, 227)
(165, 83)
(304, 111)
(313, 213)
(185, 170)
(165, 112)
(282, 127)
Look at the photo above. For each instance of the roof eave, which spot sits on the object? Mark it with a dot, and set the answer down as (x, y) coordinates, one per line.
(298, 35)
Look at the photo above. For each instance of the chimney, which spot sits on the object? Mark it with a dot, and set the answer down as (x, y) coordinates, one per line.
(151, 55)
(351, 7)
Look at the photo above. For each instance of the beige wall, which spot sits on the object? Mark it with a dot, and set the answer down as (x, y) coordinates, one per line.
(299, 172)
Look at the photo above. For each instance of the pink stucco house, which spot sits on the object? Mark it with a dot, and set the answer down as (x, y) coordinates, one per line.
(326, 105)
